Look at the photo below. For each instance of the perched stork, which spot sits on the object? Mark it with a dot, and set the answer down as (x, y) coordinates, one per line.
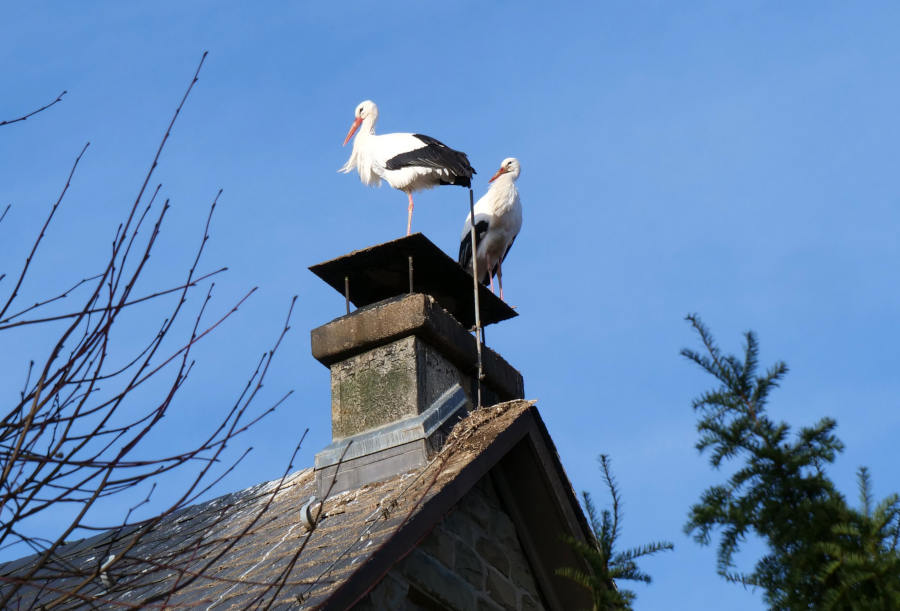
(408, 162)
(498, 219)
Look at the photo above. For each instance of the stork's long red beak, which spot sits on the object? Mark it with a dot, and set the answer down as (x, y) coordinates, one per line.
(352, 131)
(500, 172)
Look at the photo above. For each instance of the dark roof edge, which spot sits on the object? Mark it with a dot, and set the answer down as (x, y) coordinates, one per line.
(409, 534)
(565, 487)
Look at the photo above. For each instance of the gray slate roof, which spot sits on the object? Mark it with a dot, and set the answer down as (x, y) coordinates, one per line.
(250, 549)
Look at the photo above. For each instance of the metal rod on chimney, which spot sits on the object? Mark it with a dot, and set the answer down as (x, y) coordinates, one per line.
(347, 293)
(410, 274)
(478, 330)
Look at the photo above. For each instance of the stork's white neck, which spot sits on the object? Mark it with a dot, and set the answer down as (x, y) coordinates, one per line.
(504, 181)
(367, 128)
(361, 155)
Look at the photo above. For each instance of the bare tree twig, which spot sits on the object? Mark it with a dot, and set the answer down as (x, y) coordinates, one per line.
(34, 112)
(77, 431)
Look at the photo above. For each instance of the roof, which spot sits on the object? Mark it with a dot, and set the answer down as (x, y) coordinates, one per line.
(251, 548)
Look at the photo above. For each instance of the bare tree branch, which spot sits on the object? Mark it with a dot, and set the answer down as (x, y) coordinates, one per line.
(77, 432)
(33, 112)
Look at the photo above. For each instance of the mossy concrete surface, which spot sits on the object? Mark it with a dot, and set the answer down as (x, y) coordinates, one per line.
(379, 374)
(387, 384)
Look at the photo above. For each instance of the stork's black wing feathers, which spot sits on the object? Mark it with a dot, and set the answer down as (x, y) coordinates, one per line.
(465, 248)
(513, 241)
(436, 154)
(503, 258)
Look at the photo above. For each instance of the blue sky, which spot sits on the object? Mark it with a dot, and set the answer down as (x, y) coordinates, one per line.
(738, 161)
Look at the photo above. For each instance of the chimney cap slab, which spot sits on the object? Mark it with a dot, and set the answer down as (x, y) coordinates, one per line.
(382, 271)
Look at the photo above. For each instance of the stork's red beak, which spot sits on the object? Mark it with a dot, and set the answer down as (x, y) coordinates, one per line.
(352, 131)
(500, 172)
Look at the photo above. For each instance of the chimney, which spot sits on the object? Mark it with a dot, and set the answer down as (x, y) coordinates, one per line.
(404, 364)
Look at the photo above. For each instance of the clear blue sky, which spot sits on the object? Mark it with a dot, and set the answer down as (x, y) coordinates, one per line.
(734, 161)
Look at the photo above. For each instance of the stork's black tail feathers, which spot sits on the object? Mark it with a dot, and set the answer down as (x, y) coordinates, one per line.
(465, 251)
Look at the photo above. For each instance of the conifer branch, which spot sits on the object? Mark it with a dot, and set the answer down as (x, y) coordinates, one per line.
(822, 553)
(607, 565)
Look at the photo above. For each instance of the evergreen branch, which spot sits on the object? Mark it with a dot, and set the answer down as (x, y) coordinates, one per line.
(607, 566)
(822, 553)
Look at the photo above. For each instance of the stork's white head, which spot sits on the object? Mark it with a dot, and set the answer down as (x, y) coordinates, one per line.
(510, 166)
(365, 111)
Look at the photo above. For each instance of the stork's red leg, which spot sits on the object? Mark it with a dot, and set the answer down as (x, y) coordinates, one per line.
(409, 217)
(492, 282)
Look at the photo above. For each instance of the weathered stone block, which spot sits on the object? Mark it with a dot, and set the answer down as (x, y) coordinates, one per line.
(486, 604)
(460, 524)
(494, 554)
(373, 388)
(435, 374)
(520, 573)
(437, 581)
(527, 603)
(475, 552)
(501, 590)
(468, 564)
(420, 316)
(387, 384)
(440, 544)
(390, 593)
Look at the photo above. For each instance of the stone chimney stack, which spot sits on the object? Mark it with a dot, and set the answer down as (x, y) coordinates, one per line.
(403, 365)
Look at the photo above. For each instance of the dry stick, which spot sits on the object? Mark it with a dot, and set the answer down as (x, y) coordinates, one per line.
(181, 372)
(101, 332)
(25, 427)
(89, 336)
(149, 525)
(230, 541)
(181, 375)
(43, 230)
(40, 304)
(267, 585)
(101, 329)
(27, 424)
(228, 435)
(159, 150)
(111, 311)
(202, 572)
(331, 485)
(211, 441)
(86, 598)
(386, 509)
(115, 401)
(125, 227)
(34, 112)
(115, 276)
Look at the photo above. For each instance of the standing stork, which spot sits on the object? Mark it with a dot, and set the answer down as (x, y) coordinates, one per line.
(498, 219)
(408, 162)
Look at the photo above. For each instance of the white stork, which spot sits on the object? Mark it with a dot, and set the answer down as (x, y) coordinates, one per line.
(408, 162)
(498, 219)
